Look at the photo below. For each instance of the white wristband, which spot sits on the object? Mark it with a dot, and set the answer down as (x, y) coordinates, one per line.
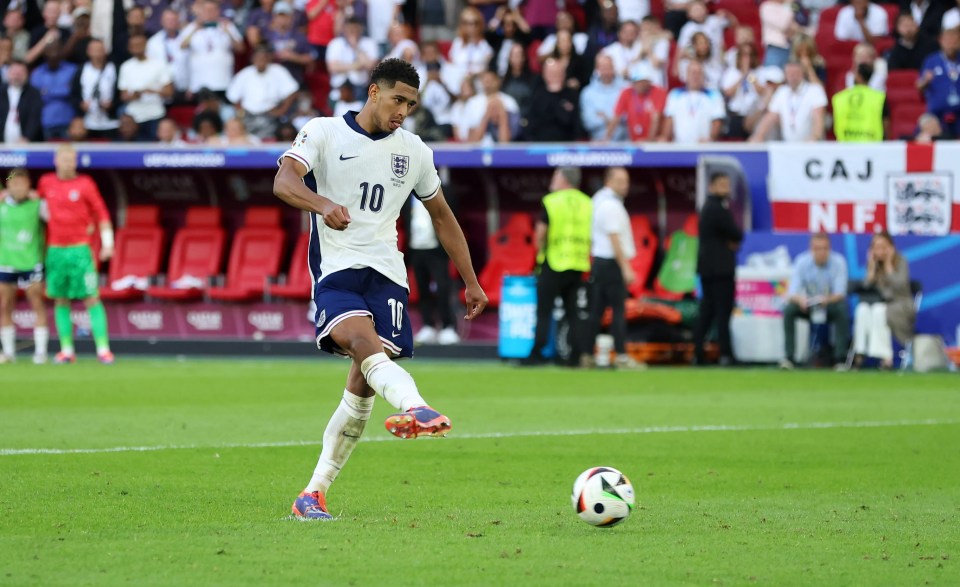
(106, 238)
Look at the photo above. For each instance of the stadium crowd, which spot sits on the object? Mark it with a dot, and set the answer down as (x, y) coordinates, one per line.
(241, 72)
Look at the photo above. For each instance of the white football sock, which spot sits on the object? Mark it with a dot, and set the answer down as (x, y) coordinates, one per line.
(341, 436)
(8, 337)
(41, 335)
(392, 382)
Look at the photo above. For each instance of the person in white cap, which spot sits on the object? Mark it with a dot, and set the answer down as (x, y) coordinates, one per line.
(640, 106)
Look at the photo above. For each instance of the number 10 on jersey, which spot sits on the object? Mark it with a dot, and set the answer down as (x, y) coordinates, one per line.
(376, 196)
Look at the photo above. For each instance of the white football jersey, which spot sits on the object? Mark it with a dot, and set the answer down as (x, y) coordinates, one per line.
(372, 175)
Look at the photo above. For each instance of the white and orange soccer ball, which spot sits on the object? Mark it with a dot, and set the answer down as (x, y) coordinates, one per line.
(602, 497)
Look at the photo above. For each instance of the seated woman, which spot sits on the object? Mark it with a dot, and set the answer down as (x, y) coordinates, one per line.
(887, 271)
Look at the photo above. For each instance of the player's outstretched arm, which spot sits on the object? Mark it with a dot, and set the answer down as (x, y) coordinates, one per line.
(288, 186)
(451, 237)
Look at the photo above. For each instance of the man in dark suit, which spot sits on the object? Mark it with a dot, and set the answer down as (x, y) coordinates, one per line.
(720, 238)
(25, 101)
(912, 47)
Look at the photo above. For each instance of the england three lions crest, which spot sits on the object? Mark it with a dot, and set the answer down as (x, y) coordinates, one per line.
(400, 164)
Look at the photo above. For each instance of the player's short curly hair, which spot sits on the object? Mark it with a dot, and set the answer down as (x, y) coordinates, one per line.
(390, 71)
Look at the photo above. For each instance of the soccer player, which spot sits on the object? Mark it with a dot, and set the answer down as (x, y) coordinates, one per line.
(21, 263)
(75, 206)
(365, 167)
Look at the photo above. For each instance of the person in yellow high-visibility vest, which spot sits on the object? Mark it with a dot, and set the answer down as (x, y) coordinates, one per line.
(860, 113)
(563, 241)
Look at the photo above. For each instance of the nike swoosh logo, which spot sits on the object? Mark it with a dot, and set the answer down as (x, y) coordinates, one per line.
(394, 334)
(342, 158)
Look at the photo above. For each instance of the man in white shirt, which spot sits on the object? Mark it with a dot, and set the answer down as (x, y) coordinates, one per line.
(492, 113)
(98, 85)
(861, 21)
(711, 25)
(626, 50)
(210, 42)
(612, 248)
(20, 107)
(165, 46)
(144, 84)
(264, 92)
(351, 56)
(693, 114)
(798, 108)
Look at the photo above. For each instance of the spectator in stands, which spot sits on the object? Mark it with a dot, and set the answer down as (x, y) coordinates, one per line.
(712, 25)
(598, 101)
(262, 93)
(576, 69)
(153, 14)
(520, 83)
(640, 106)
(351, 57)
(210, 42)
(742, 35)
(562, 236)
(400, 45)
(554, 112)
(861, 20)
(675, 16)
(321, 26)
(861, 113)
(290, 46)
(720, 238)
(506, 29)
(208, 101)
(304, 111)
(929, 129)
(693, 114)
(76, 131)
(144, 84)
(258, 21)
(565, 22)
(655, 49)
(96, 85)
(430, 266)
(13, 30)
(806, 54)
(613, 249)
(433, 19)
(606, 30)
(770, 78)
(626, 49)
(234, 134)
(168, 133)
(470, 54)
(54, 79)
(797, 108)
(458, 110)
(164, 46)
(778, 26)
(75, 47)
(892, 312)
(348, 102)
(128, 131)
(940, 82)
(491, 116)
(741, 87)
(951, 19)
(702, 52)
(818, 293)
(911, 48)
(927, 15)
(136, 20)
(206, 125)
(6, 57)
(47, 33)
(381, 15)
(20, 108)
(435, 97)
(864, 53)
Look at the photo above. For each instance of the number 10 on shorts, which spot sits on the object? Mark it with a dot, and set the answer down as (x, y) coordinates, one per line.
(396, 313)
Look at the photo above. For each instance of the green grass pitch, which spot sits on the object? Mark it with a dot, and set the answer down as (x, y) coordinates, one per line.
(182, 473)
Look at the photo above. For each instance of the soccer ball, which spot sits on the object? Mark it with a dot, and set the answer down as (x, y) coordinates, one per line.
(602, 497)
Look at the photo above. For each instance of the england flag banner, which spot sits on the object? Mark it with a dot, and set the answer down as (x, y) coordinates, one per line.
(832, 187)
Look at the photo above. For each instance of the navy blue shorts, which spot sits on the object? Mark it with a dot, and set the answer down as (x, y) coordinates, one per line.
(23, 279)
(363, 292)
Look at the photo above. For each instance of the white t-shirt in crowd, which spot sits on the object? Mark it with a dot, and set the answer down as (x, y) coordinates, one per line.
(476, 107)
(610, 217)
(211, 55)
(848, 29)
(167, 49)
(258, 92)
(878, 81)
(712, 73)
(633, 10)
(140, 75)
(746, 98)
(380, 17)
(97, 85)
(622, 56)
(435, 98)
(693, 113)
(340, 50)
(795, 109)
(713, 26)
(467, 59)
(580, 41)
(12, 133)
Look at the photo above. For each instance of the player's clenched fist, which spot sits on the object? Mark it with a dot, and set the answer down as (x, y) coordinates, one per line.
(335, 216)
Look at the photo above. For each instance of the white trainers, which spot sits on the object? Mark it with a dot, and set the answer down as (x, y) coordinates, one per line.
(39, 359)
(4, 359)
(426, 335)
(786, 364)
(448, 336)
(628, 362)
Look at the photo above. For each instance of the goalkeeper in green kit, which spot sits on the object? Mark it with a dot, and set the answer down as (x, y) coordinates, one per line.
(75, 208)
(21, 263)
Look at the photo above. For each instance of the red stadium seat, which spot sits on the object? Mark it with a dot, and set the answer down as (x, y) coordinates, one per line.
(299, 284)
(254, 257)
(262, 217)
(903, 119)
(898, 78)
(136, 258)
(195, 256)
(182, 115)
(147, 215)
(512, 252)
(645, 241)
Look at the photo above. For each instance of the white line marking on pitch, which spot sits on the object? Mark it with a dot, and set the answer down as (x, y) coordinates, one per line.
(7, 452)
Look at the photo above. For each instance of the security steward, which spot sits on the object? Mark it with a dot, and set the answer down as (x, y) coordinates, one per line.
(860, 113)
